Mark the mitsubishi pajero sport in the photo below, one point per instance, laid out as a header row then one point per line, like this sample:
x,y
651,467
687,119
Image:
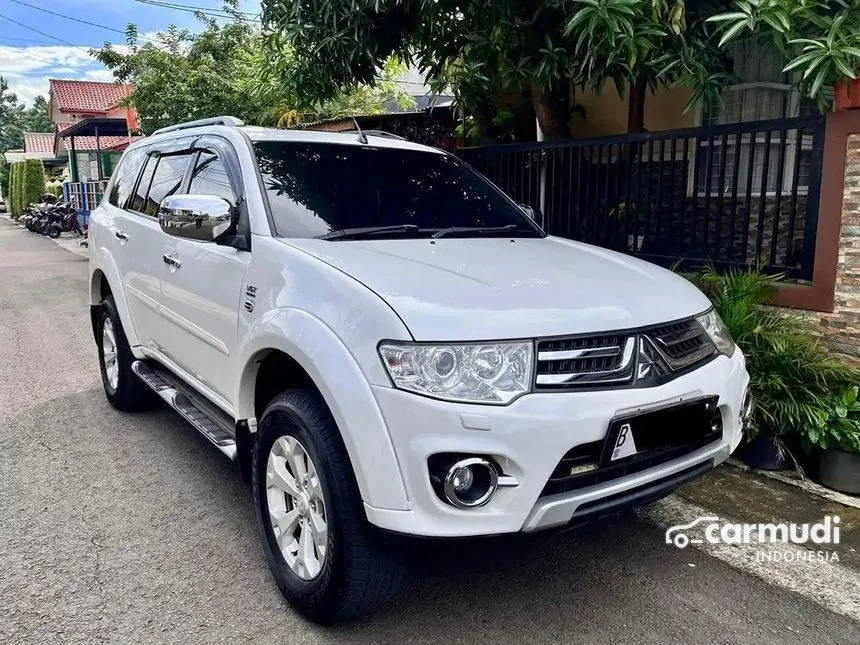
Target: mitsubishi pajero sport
x,y
387,344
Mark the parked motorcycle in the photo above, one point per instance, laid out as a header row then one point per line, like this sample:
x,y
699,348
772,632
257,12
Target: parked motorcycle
x,y
50,218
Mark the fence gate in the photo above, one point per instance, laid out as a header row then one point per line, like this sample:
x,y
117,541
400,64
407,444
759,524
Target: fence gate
x,y
84,195
733,195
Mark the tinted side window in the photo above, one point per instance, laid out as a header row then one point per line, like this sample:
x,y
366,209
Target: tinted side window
x,y
210,178
126,175
138,201
166,181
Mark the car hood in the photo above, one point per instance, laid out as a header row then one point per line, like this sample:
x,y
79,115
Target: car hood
x,y
499,288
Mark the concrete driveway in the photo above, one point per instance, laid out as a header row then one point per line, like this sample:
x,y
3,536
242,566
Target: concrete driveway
x,y
132,528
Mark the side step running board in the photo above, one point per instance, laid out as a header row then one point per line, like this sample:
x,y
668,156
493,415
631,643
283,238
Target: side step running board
x,y
211,422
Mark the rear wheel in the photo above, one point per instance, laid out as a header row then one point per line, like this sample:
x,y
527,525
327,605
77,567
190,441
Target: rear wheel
x,y
310,515
123,388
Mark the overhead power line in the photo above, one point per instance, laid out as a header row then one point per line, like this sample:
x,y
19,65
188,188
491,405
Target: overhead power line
x,y
42,33
206,11
83,22
29,40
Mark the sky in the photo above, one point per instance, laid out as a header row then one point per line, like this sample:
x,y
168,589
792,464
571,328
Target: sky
x,y
29,58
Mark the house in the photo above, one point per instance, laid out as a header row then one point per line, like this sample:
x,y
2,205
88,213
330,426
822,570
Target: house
x,y
92,125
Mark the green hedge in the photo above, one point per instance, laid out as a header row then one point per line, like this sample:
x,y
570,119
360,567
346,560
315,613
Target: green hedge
x,y
15,189
33,182
27,185
56,191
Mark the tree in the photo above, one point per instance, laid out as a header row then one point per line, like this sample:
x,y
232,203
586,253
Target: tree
x,y
35,118
11,137
16,119
820,39
480,47
222,70
641,45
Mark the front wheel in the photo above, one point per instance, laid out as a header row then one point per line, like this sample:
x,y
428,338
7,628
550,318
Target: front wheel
x,y
123,388
310,515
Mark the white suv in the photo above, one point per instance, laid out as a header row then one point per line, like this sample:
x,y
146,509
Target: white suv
x,y
387,344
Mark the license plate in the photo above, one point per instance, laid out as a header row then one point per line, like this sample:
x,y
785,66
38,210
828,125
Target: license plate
x,y
646,433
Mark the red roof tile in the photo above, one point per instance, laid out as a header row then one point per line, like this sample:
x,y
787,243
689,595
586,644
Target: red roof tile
x,y
88,96
39,142
89,143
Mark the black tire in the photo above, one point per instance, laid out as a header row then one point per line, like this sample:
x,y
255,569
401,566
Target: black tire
x,y
53,232
358,573
130,393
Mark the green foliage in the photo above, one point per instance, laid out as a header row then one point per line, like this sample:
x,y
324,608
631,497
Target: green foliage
x,y
820,38
32,182
658,42
503,122
841,428
53,189
478,48
223,69
15,201
5,176
15,119
793,377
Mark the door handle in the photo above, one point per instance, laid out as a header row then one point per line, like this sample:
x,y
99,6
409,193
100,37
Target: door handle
x,y
122,235
171,261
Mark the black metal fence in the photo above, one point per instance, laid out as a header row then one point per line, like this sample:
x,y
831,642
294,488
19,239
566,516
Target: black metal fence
x,y
730,195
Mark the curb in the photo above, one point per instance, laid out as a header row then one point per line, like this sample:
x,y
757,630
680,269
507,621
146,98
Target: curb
x,y
803,484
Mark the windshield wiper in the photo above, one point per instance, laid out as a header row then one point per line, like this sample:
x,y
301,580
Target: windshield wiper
x,y
368,231
475,229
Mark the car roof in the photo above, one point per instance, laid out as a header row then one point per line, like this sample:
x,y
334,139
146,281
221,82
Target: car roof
x,y
342,138
255,133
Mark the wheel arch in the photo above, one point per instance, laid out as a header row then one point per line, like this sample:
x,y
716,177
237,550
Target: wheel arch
x,y
275,362
104,281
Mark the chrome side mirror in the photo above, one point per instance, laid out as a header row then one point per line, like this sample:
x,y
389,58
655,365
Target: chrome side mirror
x,y
533,214
204,218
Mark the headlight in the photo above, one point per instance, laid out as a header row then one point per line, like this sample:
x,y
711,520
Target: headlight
x,y
483,373
718,332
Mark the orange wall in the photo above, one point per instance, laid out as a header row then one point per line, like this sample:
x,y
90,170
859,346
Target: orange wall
x,y
606,113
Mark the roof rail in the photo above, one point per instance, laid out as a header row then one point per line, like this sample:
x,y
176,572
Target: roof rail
x,y
199,123
380,133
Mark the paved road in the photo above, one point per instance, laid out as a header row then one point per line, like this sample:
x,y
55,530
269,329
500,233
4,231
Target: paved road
x,y
134,529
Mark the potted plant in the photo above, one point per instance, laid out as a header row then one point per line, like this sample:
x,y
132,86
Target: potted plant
x,y
820,39
837,438
792,376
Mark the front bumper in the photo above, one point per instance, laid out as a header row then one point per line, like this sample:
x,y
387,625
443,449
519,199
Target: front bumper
x,y
528,438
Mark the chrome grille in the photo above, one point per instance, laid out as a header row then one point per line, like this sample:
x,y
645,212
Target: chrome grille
x,y
641,357
587,359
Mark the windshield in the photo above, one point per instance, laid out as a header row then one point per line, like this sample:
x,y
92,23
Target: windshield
x,y
350,191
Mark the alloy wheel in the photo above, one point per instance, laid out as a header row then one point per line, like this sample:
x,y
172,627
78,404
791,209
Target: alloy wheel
x,y
109,353
296,507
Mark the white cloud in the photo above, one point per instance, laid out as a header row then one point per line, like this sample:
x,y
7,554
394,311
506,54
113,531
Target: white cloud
x,y
27,69
101,75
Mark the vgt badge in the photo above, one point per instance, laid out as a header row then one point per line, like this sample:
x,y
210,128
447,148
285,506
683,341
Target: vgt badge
x,y
625,446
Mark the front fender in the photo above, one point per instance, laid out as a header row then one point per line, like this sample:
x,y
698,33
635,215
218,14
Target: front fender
x,y
102,262
334,371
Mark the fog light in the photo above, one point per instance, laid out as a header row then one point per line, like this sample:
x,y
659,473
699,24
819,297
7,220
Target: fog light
x,y
462,479
470,483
